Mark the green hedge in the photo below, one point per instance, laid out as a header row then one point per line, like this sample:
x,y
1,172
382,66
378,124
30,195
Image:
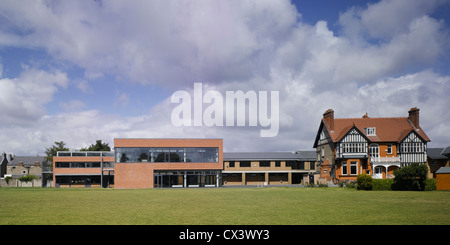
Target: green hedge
x,y
386,184
382,184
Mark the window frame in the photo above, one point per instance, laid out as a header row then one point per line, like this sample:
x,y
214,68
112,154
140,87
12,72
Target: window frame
x,y
354,164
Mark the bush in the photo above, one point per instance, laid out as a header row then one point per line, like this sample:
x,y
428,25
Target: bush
x,y
430,184
382,184
27,178
350,185
364,182
7,179
410,178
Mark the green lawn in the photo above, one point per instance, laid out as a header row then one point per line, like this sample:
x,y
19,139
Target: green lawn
x,y
222,206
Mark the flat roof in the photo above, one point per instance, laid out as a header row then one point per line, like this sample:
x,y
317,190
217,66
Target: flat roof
x,y
246,156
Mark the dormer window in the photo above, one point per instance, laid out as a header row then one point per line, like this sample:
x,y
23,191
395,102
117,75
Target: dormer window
x,y
370,131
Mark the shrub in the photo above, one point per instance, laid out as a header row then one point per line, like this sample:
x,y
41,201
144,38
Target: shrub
x,y
350,185
410,178
430,184
27,178
382,184
7,179
364,182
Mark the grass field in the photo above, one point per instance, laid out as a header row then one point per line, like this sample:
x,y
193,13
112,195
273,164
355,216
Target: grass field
x,y
222,206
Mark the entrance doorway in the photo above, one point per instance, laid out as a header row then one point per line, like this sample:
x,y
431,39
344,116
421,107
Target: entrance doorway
x,y
378,173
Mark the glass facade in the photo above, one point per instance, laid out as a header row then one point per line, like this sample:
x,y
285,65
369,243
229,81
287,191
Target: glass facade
x,y
83,164
84,181
165,154
198,178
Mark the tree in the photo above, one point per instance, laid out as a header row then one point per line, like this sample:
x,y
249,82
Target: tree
x,y
411,178
98,146
51,152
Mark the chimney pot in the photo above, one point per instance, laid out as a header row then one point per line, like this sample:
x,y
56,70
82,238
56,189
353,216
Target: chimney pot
x,y
413,116
328,116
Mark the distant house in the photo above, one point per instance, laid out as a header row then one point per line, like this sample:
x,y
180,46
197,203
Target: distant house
x,y
18,166
346,147
436,160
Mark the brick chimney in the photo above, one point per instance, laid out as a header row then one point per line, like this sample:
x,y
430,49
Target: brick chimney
x,y
328,117
413,116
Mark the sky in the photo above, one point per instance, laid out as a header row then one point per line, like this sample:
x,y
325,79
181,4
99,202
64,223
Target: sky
x,y
80,71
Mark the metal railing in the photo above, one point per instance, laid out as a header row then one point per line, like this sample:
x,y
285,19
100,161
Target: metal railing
x,y
84,153
384,159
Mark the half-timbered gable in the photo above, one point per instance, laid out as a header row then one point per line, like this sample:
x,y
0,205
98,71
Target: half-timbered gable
x,y
352,144
412,149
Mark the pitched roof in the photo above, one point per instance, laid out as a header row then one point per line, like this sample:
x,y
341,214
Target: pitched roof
x,y
388,129
26,160
446,151
443,170
435,153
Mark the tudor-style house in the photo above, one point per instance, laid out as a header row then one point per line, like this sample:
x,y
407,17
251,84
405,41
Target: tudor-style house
x,y
347,147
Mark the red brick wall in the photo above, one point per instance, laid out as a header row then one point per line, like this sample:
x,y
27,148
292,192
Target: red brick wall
x,y
140,175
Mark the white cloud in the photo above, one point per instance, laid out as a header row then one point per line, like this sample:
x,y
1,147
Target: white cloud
x,y
383,58
386,19
23,99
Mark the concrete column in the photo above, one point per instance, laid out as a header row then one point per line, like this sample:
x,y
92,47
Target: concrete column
x,y
266,178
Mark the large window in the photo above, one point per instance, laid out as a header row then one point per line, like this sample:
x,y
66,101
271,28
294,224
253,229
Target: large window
x,y
352,148
166,154
353,168
412,147
174,178
82,164
84,181
264,163
245,164
374,150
